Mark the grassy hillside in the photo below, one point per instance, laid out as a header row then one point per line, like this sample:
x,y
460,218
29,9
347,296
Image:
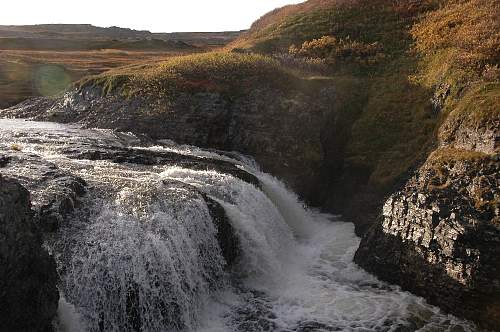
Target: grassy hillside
x,y
383,21
225,73
459,46
399,55
367,41
287,11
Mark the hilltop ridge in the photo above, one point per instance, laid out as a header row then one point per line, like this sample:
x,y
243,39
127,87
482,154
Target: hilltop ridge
x,y
91,32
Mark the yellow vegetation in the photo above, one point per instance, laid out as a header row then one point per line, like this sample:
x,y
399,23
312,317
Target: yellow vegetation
x,y
333,49
465,34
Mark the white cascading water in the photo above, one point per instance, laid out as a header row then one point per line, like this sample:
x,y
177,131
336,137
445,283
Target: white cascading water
x,y
304,270
142,254
145,262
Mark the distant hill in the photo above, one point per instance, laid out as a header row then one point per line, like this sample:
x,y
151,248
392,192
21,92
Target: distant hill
x,y
78,32
202,38
68,44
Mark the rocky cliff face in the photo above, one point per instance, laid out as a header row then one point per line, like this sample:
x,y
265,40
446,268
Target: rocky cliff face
x,y
28,293
439,236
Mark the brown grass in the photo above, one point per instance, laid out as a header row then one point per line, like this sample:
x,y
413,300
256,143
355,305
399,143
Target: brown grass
x,y
279,14
24,74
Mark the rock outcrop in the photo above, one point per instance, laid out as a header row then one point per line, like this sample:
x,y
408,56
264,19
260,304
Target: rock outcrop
x,y
439,236
28,293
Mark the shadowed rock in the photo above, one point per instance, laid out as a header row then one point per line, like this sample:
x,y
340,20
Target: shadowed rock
x,y
28,293
440,238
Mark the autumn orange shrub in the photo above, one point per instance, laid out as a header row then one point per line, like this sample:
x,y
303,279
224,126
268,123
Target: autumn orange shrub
x,y
331,48
471,28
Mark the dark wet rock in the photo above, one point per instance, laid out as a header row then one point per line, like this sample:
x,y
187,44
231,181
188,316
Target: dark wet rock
x,y
29,107
62,197
55,193
4,160
28,293
226,236
255,315
440,237
149,157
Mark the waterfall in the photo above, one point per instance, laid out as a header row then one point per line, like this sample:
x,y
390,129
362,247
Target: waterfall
x,y
143,250
265,238
145,262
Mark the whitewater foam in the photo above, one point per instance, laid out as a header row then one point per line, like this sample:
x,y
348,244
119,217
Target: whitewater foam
x,y
142,252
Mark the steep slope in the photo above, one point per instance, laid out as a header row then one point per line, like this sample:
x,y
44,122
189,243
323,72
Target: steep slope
x,y
442,229
279,14
384,123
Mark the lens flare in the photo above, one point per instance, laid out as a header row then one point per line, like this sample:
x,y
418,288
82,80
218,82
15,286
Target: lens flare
x,y
49,80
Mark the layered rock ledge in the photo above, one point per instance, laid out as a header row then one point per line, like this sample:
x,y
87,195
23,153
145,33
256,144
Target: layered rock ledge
x,y
439,237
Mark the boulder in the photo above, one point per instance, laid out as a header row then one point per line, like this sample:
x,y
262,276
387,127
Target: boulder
x,y
28,293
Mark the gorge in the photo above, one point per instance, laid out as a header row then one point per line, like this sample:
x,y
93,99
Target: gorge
x,y
333,168
152,236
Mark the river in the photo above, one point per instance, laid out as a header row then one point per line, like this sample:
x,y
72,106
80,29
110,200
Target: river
x,y
141,251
